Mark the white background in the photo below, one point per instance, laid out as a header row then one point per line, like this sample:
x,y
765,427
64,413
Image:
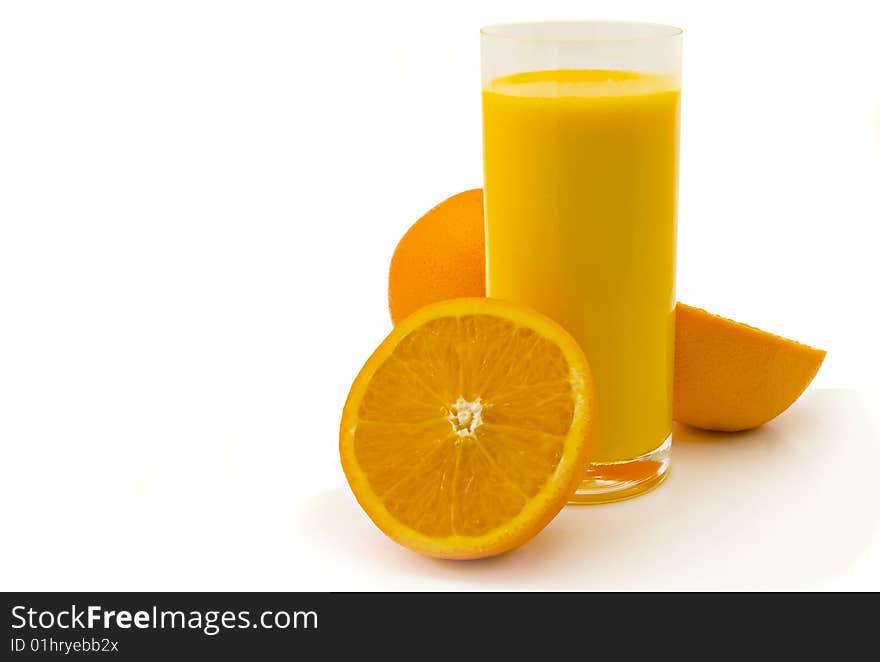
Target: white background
x,y
198,204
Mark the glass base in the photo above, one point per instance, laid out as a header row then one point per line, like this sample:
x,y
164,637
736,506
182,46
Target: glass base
x,y
605,482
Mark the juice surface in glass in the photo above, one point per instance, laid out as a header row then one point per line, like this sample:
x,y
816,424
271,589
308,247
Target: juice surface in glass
x,y
580,194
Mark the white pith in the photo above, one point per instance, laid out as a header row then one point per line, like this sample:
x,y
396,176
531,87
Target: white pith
x,y
465,416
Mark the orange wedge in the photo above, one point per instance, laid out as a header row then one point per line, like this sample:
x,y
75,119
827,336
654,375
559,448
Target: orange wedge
x,y
469,428
730,376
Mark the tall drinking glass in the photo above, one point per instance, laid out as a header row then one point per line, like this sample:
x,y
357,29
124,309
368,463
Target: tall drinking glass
x,y
580,137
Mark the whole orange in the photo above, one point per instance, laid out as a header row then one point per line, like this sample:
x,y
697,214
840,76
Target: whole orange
x,y
442,256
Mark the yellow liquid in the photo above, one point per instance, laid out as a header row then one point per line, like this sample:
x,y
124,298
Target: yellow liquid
x,y
581,171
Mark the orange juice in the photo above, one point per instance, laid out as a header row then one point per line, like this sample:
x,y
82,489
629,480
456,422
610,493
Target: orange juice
x,y
581,174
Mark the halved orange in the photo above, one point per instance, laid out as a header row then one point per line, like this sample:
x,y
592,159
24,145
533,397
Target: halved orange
x,y
730,376
469,427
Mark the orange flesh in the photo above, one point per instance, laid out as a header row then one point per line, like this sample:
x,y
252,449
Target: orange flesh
x,y
470,429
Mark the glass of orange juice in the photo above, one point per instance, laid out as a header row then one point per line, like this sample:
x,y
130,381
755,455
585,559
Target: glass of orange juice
x,y
580,138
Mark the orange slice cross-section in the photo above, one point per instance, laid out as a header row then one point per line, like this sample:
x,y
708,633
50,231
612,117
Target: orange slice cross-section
x,y
469,428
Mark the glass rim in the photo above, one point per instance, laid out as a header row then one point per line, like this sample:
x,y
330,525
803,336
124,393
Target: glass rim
x,y
651,31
